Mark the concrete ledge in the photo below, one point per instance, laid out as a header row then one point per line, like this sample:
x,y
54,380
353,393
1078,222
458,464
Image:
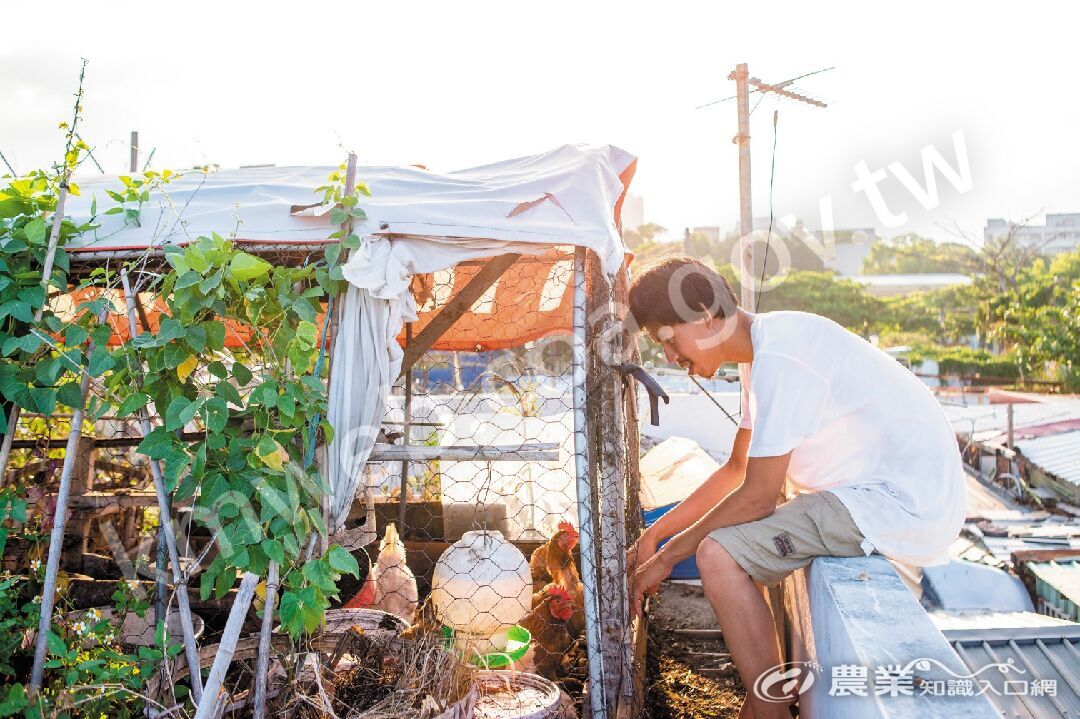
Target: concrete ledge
x,y
857,612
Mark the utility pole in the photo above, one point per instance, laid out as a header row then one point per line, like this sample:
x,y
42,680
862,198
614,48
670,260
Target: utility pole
x,y
746,214
743,84
134,162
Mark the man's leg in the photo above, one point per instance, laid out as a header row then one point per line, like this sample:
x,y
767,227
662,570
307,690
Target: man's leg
x,y
746,622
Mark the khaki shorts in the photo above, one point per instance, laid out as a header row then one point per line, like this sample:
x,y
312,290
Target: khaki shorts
x,y
811,525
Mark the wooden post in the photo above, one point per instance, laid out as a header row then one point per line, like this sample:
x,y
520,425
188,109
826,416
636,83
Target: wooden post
x,y
56,534
212,697
262,667
583,467
407,430
746,216
187,626
614,600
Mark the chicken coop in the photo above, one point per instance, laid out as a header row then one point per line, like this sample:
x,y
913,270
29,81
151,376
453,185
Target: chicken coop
x,y
480,438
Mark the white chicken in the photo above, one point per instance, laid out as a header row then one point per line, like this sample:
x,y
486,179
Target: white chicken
x,y
395,585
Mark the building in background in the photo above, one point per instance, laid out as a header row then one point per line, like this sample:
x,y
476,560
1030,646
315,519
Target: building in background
x,y
850,248
633,211
845,256
1061,233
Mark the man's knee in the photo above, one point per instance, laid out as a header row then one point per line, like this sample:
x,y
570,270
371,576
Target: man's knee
x,y
714,560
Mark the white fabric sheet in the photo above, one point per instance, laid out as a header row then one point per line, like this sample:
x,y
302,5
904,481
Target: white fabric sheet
x,y
574,189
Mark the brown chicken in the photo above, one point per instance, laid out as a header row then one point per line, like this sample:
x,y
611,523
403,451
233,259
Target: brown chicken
x,y
547,624
555,557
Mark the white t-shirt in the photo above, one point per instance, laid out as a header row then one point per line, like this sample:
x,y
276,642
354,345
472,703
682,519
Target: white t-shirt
x,y
860,425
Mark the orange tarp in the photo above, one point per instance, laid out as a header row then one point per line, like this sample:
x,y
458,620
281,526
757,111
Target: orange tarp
x,y
531,299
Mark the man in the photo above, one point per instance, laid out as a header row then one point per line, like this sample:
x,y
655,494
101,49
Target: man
x,y
858,435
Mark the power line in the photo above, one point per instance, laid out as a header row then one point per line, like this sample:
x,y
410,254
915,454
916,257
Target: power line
x,y
743,83
770,88
8,165
772,214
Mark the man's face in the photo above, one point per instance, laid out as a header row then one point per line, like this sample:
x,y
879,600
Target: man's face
x,y
691,345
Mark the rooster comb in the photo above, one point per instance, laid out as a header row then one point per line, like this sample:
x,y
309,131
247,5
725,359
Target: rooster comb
x,y
555,591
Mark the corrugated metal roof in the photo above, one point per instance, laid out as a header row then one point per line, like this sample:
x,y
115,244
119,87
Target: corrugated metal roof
x,y
1011,662
974,619
989,420
1058,454
1064,576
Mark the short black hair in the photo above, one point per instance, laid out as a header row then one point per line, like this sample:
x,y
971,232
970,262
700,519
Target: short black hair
x,y
675,290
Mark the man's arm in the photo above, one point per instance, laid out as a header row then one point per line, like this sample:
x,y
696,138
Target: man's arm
x,y
719,485
754,499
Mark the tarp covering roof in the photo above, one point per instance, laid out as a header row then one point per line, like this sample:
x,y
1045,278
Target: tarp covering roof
x,y
569,195
424,222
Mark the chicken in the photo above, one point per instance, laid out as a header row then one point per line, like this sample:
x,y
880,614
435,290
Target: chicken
x,y
364,598
547,624
395,585
575,592
550,559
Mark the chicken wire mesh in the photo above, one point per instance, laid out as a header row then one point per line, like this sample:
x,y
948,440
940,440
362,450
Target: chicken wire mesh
x,y
493,543
497,539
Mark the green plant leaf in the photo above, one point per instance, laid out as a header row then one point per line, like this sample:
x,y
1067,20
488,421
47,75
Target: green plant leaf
x,y
180,411
175,354
241,373
100,362
56,645
196,338
245,267
188,279
215,335
170,329
35,231
132,403
17,309
342,561
274,550
227,392
217,414
75,335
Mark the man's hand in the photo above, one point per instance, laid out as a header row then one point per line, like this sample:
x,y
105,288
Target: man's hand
x,y
646,580
640,552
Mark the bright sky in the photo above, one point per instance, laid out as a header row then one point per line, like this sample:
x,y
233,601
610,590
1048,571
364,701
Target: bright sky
x,y
452,85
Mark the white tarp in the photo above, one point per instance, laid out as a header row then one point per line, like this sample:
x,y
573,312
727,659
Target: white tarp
x,y
417,222
564,196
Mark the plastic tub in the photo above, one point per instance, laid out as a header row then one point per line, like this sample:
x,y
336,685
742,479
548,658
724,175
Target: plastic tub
x,y
687,568
515,695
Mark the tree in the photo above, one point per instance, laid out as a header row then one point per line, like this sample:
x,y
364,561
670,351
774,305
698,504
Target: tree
x,y
642,235
911,254
842,301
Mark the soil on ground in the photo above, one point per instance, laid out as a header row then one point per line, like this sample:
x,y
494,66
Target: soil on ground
x,y
687,677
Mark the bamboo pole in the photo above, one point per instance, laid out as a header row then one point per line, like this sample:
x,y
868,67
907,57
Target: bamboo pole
x,y
187,627
263,659
346,230
212,694
56,535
